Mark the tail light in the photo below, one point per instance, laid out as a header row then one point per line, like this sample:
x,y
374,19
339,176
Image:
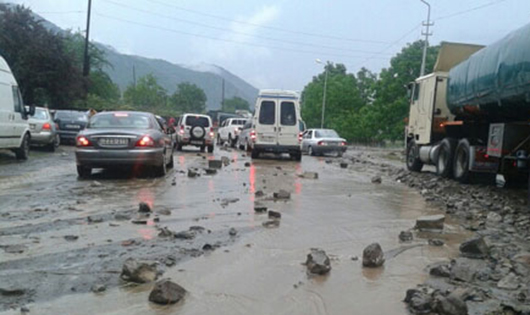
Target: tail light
x,y
322,143
145,141
82,141
300,136
211,132
181,129
343,143
253,135
46,126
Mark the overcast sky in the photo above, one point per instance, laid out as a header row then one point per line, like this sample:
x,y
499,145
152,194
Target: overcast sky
x,y
273,43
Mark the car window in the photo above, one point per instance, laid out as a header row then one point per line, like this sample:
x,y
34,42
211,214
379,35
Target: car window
x,y
288,114
197,121
17,100
248,125
301,126
309,134
40,114
120,120
267,113
326,134
80,116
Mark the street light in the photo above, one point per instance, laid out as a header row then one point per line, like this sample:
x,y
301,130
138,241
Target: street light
x,y
324,94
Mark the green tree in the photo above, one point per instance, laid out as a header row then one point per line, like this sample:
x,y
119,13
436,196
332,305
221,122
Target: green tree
x,y
235,103
188,98
146,95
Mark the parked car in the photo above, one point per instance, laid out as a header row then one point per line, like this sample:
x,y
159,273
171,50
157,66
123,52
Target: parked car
x,y
321,141
246,136
229,131
42,129
195,130
69,123
14,127
131,139
276,124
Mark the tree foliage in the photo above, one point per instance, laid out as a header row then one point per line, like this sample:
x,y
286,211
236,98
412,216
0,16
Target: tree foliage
x,y
146,94
188,98
366,107
235,103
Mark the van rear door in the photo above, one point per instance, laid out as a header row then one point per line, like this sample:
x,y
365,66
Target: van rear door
x,y
267,121
288,128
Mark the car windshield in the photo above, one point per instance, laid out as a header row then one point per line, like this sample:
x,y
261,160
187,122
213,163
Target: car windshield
x,y
40,114
197,121
326,133
120,120
71,116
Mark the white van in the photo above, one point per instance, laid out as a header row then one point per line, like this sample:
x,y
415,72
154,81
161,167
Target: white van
x,y
276,124
14,126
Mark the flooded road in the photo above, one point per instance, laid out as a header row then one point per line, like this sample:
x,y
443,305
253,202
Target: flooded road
x,y
259,271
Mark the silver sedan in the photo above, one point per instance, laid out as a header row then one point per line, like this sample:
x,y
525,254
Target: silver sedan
x,y
43,130
321,141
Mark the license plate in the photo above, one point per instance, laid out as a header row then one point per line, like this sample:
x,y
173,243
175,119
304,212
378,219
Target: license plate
x,y
266,138
113,142
73,126
196,142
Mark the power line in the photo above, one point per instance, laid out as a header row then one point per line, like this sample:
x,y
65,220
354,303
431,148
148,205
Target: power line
x,y
226,40
471,9
267,27
236,32
60,12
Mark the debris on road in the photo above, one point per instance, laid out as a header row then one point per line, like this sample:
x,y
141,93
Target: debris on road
x,y
431,222
166,292
192,173
226,201
282,194
373,256
260,209
343,165
436,242
259,193
163,211
274,215
248,164
377,180
98,288
122,216
232,232
185,235
271,224
210,171
309,175
165,232
474,248
71,238
215,164
405,236
14,249
318,262
144,208
139,271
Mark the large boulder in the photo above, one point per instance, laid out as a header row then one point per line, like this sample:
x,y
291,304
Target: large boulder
x,y
166,292
419,302
453,304
431,222
139,271
373,256
474,248
318,262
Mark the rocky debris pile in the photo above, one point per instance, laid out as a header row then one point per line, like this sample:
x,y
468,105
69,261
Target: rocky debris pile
x,y
140,271
428,301
318,262
373,256
166,292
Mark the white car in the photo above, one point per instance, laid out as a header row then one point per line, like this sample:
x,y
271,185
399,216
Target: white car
x,y
229,131
195,130
14,127
277,124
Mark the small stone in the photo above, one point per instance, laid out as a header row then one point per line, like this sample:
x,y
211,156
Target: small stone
x,y
309,175
406,236
436,242
328,161
211,171
318,262
474,248
165,232
140,220
98,288
354,258
271,224
15,249
92,219
453,304
144,207
24,309
343,165
232,232
259,193
432,222
164,212
493,218
274,215
282,194
192,173
440,271
185,235
122,216
260,209
139,271
166,292
207,247
215,164
373,256
247,164
71,238
377,180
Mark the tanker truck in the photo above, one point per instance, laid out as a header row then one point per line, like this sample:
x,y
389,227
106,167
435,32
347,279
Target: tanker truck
x,y
470,118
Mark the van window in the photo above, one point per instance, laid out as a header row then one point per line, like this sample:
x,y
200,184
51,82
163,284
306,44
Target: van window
x,y
17,100
416,92
288,114
267,113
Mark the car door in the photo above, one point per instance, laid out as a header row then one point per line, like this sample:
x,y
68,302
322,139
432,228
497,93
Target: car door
x,y
267,131
6,113
288,128
20,121
305,139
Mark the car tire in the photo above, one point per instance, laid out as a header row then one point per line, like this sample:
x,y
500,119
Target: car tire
x,y
445,157
310,151
210,149
414,164
22,153
171,163
231,141
83,172
51,147
57,141
296,156
161,171
254,154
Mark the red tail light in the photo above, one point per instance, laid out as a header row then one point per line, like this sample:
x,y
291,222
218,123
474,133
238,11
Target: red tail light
x,y
46,126
253,135
181,129
300,136
320,143
211,132
82,141
343,143
145,141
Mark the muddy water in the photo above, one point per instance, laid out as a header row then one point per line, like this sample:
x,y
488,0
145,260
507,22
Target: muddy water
x,y
261,272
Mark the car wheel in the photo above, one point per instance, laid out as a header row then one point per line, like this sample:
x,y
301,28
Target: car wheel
x,y
171,163
310,151
51,147
161,170
210,149
255,154
22,153
57,141
83,171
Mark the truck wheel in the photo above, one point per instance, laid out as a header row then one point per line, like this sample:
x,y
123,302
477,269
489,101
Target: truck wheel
x,y
444,160
22,153
461,162
83,172
255,154
414,164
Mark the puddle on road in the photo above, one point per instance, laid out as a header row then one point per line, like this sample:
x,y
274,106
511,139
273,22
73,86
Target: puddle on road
x,y
341,212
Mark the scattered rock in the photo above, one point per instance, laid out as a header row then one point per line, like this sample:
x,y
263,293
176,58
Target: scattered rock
x,y
185,235
12,291
207,247
474,248
274,215
95,184
192,173
71,238
24,310
436,242
139,271
259,193
440,271
92,219
282,194
144,207
377,180
509,282
197,228
232,232
461,270
453,304
260,209
419,302
309,175
328,161
164,212
431,222
165,232
225,160
318,262
15,249
271,224
493,218
354,258
225,202
373,256
343,165
140,220
215,164
166,292
98,288
247,164
211,171
122,216
406,236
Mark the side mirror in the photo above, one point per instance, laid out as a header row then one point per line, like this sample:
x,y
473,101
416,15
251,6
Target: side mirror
x,y
29,110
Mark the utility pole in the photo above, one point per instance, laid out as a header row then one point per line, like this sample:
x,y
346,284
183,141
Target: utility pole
x,y
134,76
325,89
427,24
86,63
223,96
